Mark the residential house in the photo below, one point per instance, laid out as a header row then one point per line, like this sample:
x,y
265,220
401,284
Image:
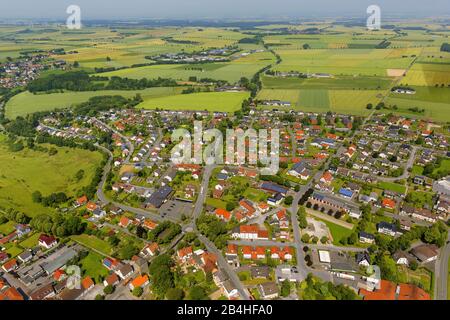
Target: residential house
x,y
47,241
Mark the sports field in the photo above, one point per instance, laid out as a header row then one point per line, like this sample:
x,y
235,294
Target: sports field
x,y
26,171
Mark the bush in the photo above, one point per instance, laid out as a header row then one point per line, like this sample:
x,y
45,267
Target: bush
x,y
175,294
137,292
108,289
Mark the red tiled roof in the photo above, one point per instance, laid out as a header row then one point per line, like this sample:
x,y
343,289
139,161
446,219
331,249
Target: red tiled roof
x,y
386,292
139,281
410,292
87,282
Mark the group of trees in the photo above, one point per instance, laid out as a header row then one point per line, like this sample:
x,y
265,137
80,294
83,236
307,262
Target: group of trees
x,y
13,215
82,81
170,230
162,276
445,47
103,103
53,200
434,170
214,229
58,225
315,289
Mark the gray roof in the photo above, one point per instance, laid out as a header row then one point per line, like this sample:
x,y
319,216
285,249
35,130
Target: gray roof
x,y
58,259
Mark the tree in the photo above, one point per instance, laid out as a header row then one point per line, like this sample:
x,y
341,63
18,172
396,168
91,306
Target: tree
x,y
305,238
285,288
162,275
413,265
99,297
302,222
108,289
288,200
127,251
369,106
36,196
197,293
324,239
175,294
137,292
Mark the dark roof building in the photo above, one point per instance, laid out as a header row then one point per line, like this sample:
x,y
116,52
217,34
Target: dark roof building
x,y
158,197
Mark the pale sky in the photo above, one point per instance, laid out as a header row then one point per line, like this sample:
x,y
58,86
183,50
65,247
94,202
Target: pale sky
x,y
218,9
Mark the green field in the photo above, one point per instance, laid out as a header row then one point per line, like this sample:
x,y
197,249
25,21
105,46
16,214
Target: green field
x,y
94,243
26,171
323,100
26,102
31,241
7,227
92,265
337,232
211,101
392,187
228,71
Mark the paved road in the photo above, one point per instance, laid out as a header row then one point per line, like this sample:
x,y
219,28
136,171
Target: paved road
x,y
102,197
198,208
298,244
128,142
406,173
223,264
441,272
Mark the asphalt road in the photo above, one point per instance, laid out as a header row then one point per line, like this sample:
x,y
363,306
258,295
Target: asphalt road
x,y
226,267
441,272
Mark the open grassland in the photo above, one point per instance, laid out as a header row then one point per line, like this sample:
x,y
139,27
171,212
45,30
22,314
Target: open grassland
x,y
23,172
26,102
340,82
322,100
211,101
229,71
428,74
369,62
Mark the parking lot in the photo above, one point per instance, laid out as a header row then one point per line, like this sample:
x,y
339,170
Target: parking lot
x,y
175,209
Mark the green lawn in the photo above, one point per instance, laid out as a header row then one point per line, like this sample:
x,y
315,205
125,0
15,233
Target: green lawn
x,y
93,243
417,170
26,171
211,101
337,232
392,186
216,203
7,227
421,277
31,241
14,251
92,265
